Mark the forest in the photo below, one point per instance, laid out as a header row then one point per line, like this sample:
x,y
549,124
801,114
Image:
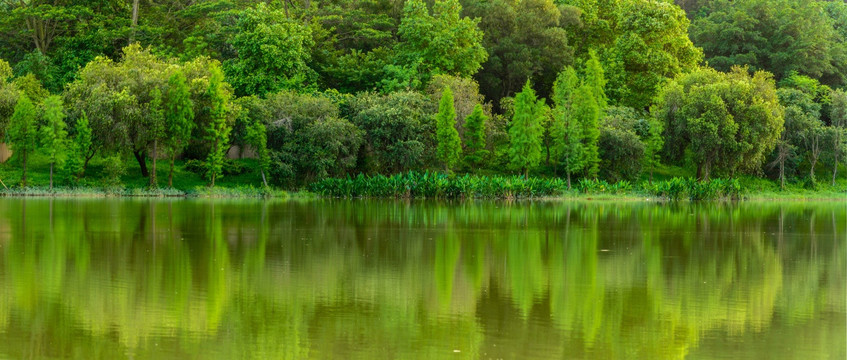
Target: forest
x,y
301,91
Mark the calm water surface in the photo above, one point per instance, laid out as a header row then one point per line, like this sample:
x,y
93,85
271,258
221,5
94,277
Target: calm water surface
x,y
194,279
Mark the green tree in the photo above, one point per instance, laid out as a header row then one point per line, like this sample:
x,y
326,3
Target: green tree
x,y
586,113
641,43
566,130
525,131
54,135
272,52
475,124
8,96
179,119
156,126
79,148
256,137
449,148
397,129
217,133
838,117
525,40
445,41
23,133
779,36
596,80
653,145
724,122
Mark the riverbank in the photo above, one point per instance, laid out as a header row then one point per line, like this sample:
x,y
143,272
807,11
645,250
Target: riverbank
x,y
669,184
199,192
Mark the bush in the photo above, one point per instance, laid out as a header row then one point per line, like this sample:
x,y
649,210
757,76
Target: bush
x,y
691,189
436,185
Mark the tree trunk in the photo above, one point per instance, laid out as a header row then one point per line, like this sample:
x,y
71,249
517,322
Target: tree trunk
x,y
812,171
153,183
142,162
171,173
51,176
569,180
23,178
526,173
213,179
264,180
835,153
134,21
88,157
782,173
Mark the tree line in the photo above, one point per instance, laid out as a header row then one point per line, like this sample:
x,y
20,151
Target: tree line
x,y
570,88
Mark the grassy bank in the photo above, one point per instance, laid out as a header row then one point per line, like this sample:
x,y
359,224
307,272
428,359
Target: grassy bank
x,y
442,186
96,183
670,183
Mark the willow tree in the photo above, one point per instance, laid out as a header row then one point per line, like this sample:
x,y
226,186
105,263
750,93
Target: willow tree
x,y
525,131
217,133
449,147
23,133
54,134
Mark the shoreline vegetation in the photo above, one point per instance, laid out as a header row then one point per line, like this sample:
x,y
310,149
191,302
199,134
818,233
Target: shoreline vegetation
x,y
425,185
439,99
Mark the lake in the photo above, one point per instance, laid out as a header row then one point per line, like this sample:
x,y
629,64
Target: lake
x,y
362,279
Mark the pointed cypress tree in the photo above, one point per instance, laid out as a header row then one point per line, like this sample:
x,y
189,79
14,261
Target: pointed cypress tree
x,y
22,132
218,131
54,134
586,112
475,137
567,132
449,144
179,119
525,131
595,78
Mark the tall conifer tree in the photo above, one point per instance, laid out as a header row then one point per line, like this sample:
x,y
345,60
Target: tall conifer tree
x,y
525,131
449,144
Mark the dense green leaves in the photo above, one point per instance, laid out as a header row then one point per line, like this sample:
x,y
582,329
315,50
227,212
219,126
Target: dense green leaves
x,y
721,122
779,36
217,133
54,134
449,148
315,89
272,53
525,131
475,125
442,43
23,132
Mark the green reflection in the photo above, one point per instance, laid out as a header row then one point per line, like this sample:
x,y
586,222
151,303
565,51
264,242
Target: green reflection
x,y
154,279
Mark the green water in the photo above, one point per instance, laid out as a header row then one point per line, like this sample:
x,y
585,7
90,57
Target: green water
x,y
193,279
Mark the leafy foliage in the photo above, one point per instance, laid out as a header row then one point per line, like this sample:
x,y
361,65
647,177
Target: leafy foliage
x,y
725,122
525,131
449,148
